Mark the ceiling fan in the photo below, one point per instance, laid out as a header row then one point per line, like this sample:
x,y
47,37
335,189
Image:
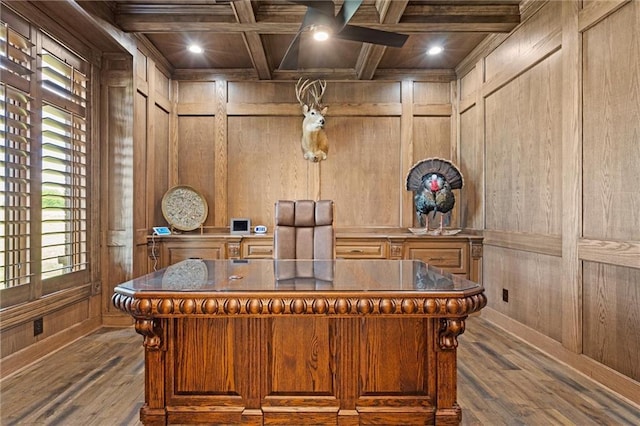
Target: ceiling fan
x,y
320,15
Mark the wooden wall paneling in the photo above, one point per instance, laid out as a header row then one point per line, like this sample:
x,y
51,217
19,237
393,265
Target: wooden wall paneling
x,y
264,92
172,161
523,151
454,128
611,221
361,171
572,176
593,11
432,138
196,158
471,142
534,284
160,149
469,83
265,164
527,44
95,187
144,213
431,93
471,166
158,144
407,209
117,212
195,147
365,92
221,175
19,348
161,84
140,65
611,311
619,253
611,64
536,243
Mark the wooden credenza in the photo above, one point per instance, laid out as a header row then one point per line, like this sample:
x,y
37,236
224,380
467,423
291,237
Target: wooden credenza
x,y
343,343
459,254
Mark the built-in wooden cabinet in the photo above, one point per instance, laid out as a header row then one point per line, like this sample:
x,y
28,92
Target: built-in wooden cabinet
x,y
362,248
458,254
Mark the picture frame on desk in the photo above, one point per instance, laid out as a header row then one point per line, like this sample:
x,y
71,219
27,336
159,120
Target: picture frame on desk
x,y
240,226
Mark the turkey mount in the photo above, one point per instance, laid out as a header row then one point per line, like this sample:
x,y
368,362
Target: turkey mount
x,y
321,15
432,181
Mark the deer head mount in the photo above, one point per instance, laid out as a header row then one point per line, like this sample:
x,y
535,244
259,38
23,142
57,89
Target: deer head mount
x,y
315,144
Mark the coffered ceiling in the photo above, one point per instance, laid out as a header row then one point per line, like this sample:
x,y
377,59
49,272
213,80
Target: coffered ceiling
x,y
252,37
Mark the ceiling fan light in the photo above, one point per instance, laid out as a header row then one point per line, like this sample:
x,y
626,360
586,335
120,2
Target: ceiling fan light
x,y
321,35
320,32
435,50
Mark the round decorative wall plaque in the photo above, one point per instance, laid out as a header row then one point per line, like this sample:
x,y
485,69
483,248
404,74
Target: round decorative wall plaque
x,y
184,208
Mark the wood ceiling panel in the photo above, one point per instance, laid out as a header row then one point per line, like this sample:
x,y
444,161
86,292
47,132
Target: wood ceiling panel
x,y
413,53
252,36
220,50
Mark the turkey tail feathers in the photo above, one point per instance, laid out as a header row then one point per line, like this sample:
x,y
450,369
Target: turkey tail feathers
x,y
434,165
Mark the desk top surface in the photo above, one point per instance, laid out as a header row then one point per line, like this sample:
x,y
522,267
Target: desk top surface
x,y
266,275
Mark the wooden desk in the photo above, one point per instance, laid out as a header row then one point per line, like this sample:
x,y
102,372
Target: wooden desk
x,y
342,342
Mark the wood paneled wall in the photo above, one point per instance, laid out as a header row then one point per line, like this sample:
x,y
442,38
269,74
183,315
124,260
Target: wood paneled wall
x,y
549,123
238,143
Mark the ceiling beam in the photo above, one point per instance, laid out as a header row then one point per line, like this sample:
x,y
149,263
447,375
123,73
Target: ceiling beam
x,y
371,54
187,23
244,14
285,18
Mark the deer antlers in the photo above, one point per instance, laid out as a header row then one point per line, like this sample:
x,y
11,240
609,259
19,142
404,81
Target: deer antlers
x,y
310,92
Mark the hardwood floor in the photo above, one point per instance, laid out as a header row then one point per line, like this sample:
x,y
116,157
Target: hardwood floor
x,y
99,380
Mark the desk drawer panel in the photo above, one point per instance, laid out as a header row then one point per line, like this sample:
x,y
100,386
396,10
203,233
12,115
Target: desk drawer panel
x,y
452,258
361,250
257,249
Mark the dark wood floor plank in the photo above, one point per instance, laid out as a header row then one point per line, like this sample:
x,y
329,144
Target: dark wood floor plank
x,y
99,381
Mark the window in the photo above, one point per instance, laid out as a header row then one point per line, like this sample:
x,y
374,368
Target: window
x,y
44,156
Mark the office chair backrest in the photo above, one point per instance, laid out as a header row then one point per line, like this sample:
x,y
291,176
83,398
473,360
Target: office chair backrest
x,y
304,230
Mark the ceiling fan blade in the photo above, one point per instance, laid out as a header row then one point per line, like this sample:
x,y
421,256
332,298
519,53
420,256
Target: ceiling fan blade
x,y
370,35
290,59
348,9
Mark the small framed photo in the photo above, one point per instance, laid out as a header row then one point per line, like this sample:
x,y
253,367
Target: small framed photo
x,y
240,226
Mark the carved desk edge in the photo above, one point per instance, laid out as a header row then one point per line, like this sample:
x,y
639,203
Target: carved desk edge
x,y
451,310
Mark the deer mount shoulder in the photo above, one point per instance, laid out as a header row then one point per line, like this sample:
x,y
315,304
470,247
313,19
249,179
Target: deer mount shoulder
x,y
314,143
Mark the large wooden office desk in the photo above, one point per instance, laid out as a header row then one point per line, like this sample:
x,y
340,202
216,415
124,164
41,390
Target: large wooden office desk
x,y
341,342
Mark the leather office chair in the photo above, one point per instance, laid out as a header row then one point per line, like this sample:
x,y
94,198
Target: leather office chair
x,y
304,231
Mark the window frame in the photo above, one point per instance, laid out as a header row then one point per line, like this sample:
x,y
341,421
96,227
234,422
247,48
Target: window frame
x,y
41,40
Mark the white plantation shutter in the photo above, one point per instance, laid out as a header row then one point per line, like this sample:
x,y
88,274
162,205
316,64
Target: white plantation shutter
x,y
15,186
44,154
15,160
64,168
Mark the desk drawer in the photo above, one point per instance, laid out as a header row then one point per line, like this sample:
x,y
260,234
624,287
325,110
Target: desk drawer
x,y
257,249
451,257
361,250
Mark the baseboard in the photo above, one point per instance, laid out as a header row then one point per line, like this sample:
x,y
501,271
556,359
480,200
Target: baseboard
x,y
15,362
626,387
117,320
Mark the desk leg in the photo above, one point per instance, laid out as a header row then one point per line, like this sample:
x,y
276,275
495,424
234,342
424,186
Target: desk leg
x,y
153,412
448,411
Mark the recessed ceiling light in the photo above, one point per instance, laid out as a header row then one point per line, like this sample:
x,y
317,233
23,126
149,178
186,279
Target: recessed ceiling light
x,y
434,50
194,48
